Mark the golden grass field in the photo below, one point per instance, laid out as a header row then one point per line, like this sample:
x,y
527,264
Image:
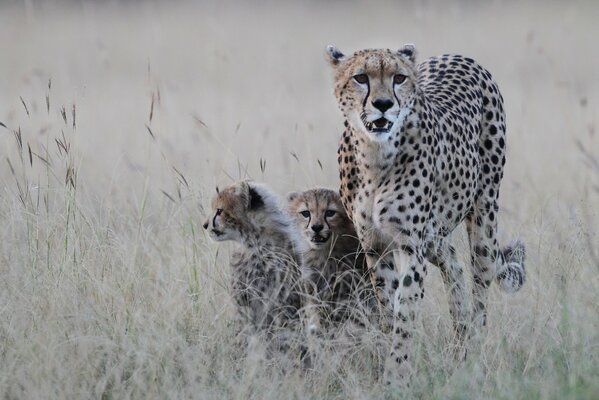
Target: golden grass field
x,y
119,119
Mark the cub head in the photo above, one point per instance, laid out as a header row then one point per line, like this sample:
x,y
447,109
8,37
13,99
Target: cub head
x,y
229,214
319,215
375,88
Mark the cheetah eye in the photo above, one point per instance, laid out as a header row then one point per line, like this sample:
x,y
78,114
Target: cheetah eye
x,y
399,79
219,211
361,78
329,213
305,214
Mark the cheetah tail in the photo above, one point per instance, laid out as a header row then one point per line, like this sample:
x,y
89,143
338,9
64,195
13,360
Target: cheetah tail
x,y
513,274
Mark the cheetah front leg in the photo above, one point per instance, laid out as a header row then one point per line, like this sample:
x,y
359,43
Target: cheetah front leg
x,y
312,302
408,290
382,275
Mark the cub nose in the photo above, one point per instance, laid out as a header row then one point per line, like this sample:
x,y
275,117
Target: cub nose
x,y
382,104
317,228
205,225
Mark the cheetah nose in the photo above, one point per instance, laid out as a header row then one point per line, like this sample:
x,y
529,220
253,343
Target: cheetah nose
x,y
317,228
382,104
205,225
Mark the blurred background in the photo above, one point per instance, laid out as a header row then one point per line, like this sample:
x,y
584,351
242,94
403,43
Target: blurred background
x,y
233,83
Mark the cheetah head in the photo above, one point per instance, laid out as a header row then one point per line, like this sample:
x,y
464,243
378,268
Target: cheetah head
x,y
319,215
375,88
230,208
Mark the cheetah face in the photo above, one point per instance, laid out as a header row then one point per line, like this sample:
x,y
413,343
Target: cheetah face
x,y
375,89
221,225
319,215
228,219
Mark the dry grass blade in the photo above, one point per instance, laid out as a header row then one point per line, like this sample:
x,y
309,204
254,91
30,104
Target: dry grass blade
x,y
63,145
182,178
47,159
2,125
262,165
48,95
19,139
319,164
151,107
168,196
71,176
591,160
63,113
150,132
30,155
22,193
24,105
74,119
42,159
294,156
12,170
199,121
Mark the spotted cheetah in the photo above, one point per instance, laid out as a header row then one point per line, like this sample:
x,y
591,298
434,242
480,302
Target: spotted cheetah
x,y
265,267
423,150
332,264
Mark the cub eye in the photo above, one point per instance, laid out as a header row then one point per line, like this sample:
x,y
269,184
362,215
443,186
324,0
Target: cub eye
x,y
361,78
329,213
219,211
399,79
305,214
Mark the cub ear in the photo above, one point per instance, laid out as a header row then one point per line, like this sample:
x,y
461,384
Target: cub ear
x,y
408,51
242,191
255,200
292,196
335,56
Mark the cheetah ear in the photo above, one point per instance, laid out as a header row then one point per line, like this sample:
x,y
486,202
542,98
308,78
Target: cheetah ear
x,y
255,201
242,191
408,51
292,196
335,55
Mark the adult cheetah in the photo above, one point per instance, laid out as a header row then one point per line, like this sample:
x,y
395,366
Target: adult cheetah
x,y
423,150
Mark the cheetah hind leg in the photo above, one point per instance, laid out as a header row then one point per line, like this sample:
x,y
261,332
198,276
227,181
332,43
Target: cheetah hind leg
x,y
489,262
444,257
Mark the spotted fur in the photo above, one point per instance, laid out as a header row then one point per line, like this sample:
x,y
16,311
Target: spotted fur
x,y
423,150
332,263
265,266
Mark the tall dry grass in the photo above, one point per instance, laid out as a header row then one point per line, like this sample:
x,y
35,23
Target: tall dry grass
x,y
118,120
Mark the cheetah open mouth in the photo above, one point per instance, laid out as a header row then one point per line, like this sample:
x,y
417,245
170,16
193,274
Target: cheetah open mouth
x,y
318,239
381,125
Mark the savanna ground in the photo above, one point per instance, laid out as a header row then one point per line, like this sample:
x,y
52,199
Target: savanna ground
x,y
118,121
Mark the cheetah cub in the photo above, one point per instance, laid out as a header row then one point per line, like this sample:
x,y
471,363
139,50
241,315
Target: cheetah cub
x,y
332,264
265,267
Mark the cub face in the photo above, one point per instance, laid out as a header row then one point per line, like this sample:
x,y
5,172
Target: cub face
x,y
319,215
375,88
228,217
